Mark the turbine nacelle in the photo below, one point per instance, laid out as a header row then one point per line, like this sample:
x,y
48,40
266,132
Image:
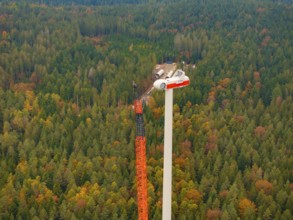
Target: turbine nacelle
x,y
178,80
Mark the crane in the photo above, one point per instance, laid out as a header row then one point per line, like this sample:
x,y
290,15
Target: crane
x,y
140,153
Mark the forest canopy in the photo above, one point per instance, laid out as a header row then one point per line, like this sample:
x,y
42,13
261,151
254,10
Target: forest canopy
x,y
109,2
67,125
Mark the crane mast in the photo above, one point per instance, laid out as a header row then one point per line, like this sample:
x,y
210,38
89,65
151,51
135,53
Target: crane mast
x,y
140,152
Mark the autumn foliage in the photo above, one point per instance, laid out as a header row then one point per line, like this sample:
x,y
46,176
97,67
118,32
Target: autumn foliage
x,y
194,195
23,87
211,142
264,185
259,131
245,205
213,214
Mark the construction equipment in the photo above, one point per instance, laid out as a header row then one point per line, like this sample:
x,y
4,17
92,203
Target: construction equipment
x,y
140,152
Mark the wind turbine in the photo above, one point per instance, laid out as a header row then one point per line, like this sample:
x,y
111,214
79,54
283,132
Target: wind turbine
x,y
178,80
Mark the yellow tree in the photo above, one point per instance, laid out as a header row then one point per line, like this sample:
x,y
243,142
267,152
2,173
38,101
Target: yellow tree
x,y
246,206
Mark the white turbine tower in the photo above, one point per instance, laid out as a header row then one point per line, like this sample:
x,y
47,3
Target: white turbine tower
x,y
178,80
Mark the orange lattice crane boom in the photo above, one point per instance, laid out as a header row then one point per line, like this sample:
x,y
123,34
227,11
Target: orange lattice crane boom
x,y
140,152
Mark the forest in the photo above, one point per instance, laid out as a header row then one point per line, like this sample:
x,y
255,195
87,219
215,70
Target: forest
x,y
109,2
67,125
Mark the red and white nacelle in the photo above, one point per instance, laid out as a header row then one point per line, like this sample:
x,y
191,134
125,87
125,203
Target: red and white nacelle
x,y
178,80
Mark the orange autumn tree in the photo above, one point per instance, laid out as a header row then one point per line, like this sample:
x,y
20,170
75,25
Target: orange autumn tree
x,y
213,214
246,206
264,185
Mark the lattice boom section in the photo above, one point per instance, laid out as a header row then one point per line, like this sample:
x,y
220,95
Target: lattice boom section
x,y
140,131
141,175
138,107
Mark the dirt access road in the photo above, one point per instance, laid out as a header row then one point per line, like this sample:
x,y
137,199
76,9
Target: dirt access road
x,y
167,67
